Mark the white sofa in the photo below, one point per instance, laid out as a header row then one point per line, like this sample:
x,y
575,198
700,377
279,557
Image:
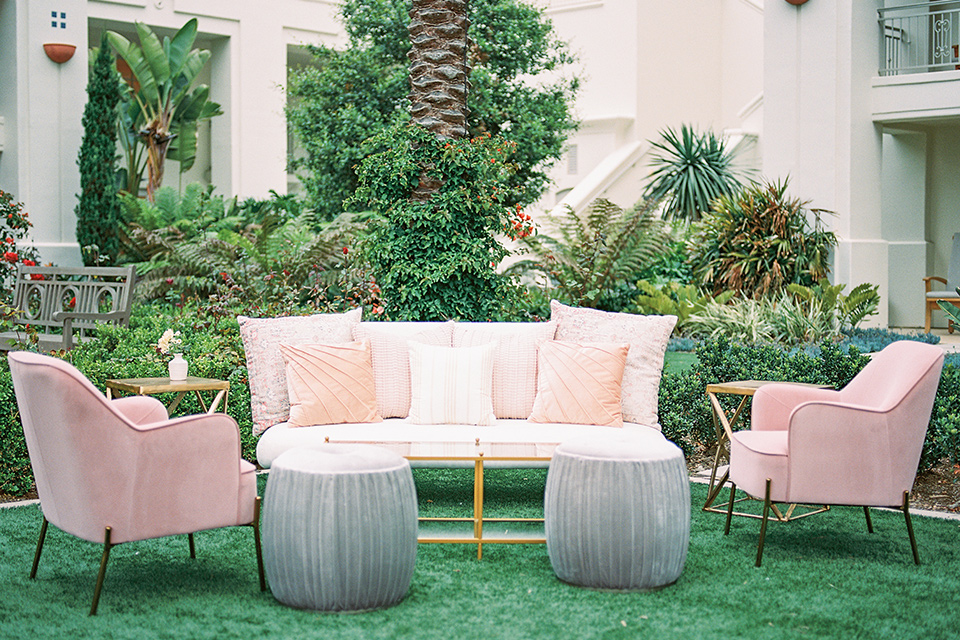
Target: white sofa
x,y
516,350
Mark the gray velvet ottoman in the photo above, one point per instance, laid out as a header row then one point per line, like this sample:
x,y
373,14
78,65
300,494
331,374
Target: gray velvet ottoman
x,y
617,511
340,528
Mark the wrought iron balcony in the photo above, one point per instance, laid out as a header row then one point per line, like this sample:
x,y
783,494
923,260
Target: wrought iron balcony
x,y
920,38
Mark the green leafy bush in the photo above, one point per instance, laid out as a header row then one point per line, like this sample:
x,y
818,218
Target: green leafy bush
x,y
759,240
14,243
435,259
589,261
675,299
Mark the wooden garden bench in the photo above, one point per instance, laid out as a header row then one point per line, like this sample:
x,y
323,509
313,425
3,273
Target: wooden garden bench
x,y
65,304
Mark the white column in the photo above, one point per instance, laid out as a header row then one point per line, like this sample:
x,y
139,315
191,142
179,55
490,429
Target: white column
x,y
819,59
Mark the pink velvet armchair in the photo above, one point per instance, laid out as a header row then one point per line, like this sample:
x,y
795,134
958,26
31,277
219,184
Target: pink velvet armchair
x,y
121,470
856,446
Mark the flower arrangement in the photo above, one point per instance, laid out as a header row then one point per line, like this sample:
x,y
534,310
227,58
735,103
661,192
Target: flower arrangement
x,y
170,342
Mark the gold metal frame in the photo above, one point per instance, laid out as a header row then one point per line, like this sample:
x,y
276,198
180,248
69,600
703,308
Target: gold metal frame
x,y
768,505
478,518
108,545
153,386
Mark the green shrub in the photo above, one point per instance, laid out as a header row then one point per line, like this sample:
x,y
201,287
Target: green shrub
x,y
759,240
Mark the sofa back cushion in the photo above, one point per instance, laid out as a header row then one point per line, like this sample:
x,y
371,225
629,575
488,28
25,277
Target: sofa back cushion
x,y
647,337
330,383
514,360
269,399
390,354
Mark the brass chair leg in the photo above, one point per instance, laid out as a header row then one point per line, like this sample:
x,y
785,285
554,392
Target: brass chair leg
x,y
103,571
763,522
866,512
193,549
906,516
36,557
733,491
256,542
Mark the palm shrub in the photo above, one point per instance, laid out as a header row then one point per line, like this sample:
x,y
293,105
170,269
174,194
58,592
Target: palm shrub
x,y
98,212
758,241
587,261
690,171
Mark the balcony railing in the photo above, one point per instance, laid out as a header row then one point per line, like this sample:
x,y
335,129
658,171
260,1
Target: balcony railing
x,y
920,38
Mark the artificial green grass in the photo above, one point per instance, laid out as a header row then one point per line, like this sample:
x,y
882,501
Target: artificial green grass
x,y
823,577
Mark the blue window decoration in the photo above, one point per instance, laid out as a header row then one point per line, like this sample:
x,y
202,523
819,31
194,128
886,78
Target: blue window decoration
x,y
63,19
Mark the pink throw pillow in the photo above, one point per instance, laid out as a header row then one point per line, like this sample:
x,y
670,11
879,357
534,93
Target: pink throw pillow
x,y
580,383
330,383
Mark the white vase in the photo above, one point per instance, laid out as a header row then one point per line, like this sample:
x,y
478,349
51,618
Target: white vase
x,y
178,367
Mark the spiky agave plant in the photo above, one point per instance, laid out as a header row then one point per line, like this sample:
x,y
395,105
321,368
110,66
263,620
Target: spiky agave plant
x,y
586,258
690,171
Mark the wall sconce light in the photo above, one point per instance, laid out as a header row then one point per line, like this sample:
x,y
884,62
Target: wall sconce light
x,y
59,52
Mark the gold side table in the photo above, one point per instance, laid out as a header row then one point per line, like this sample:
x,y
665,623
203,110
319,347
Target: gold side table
x,y
153,386
724,424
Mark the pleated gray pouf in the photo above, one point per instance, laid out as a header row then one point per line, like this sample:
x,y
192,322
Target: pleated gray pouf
x,y
617,511
340,528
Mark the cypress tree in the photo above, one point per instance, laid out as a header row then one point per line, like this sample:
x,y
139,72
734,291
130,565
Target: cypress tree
x,y
98,212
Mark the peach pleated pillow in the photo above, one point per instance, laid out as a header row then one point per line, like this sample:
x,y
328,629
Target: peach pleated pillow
x,y
330,383
580,383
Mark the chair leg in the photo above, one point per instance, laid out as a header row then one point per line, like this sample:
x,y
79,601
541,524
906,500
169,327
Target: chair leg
x,y
193,549
866,512
36,556
906,516
256,542
763,522
103,570
733,491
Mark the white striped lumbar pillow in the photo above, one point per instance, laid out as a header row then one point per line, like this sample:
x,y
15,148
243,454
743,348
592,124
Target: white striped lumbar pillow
x,y
451,385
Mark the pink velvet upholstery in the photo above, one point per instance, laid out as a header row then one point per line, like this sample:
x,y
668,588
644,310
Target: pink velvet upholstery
x,y
121,470
857,446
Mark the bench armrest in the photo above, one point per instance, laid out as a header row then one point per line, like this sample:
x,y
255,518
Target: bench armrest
x,y
67,317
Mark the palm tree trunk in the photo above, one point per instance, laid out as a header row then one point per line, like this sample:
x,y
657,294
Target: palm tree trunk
x,y
438,73
158,141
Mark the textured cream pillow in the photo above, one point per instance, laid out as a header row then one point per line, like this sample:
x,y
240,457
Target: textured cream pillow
x,y
647,337
269,401
330,383
514,360
451,385
580,383
391,358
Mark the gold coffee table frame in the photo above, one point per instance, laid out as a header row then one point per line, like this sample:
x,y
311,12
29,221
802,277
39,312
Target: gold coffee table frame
x,y
466,452
723,426
153,386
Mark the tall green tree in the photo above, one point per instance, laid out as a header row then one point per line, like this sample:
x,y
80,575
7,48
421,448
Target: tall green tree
x,y
170,106
352,94
98,212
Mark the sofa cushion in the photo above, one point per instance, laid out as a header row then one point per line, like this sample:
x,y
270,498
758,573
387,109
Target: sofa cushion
x,y
269,400
580,383
390,354
514,360
443,442
329,384
450,385
647,336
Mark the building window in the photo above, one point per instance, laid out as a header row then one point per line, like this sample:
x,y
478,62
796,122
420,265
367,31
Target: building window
x,y
62,22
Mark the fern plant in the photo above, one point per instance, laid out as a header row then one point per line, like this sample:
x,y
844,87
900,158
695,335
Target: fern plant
x,y
586,259
681,300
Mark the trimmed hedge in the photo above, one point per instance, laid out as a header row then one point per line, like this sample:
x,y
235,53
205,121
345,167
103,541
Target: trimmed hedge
x,y
214,349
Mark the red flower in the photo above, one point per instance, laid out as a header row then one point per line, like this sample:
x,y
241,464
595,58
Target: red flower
x,y
10,256
73,302
9,240
29,263
345,250
169,280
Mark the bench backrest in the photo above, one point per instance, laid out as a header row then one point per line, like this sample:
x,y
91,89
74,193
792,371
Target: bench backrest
x,y
40,292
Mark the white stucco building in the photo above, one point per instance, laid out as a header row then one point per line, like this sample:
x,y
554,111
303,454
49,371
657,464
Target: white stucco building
x,y
858,101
